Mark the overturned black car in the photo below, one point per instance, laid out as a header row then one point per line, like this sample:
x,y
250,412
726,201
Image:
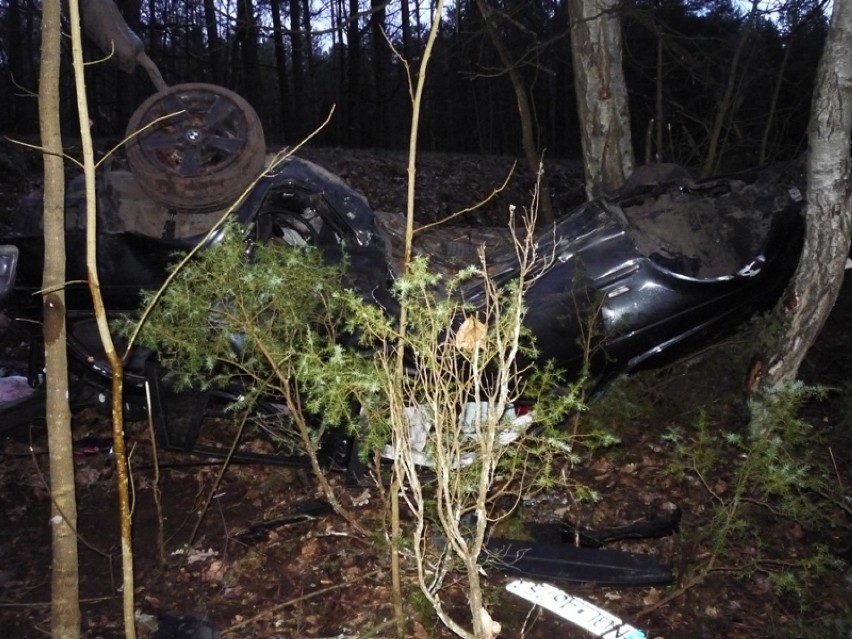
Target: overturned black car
x,y
664,267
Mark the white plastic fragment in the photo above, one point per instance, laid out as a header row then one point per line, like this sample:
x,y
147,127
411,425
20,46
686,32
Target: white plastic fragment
x,y
420,423
578,611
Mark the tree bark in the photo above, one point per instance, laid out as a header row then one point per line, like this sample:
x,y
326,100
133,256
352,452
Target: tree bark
x,y
283,111
405,19
726,104
596,49
300,90
214,43
354,133
65,602
115,362
20,113
658,98
381,57
338,21
525,113
125,85
816,283
247,33
310,99
773,103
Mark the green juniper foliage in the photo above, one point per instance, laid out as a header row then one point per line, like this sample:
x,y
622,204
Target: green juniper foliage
x,y
458,355
278,320
784,473
270,318
445,378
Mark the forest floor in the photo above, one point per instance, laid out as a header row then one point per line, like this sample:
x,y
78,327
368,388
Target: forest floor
x,y
255,567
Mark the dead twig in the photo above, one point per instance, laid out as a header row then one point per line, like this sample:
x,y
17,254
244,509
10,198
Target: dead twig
x,y
295,601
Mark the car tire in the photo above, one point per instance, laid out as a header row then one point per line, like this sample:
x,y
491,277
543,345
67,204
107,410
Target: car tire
x,y
195,147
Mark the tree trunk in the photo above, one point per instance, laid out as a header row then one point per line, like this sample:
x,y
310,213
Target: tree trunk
x,y
773,103
310,99
816,284
602,107
791,42
531,152
283,111
338,21
115,362
658,107
125,85
726,104
300,90
381,54
354,134
154,46
116,365
405,19
18,73
65,603
247,33
214,43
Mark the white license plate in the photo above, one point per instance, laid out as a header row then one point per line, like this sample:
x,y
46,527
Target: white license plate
x,y
579,611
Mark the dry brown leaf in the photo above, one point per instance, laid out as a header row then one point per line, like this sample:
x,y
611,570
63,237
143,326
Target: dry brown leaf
x,y
214,573
471,335
651,597
601,466
310,546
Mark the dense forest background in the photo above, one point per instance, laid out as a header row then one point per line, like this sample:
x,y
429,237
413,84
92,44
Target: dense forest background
x,y
744,70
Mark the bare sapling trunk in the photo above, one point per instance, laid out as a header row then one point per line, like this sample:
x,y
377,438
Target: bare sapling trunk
x,y
65,602
441,389
415,91
116,364
457,398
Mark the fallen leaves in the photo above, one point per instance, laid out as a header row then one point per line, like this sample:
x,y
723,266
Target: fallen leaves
x,y
471,335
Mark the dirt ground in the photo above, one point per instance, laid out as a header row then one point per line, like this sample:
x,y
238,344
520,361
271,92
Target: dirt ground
x,y
268,561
